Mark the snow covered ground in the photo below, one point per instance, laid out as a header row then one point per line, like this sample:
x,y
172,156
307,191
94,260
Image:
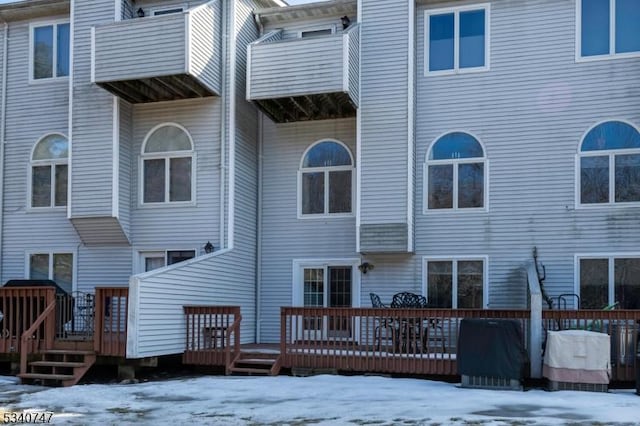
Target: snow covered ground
x,y
321,400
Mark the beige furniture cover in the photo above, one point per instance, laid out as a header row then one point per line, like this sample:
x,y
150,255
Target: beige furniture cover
x,y
577,356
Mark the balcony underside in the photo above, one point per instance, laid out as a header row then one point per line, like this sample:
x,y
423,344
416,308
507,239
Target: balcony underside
x,y
156,89
309,107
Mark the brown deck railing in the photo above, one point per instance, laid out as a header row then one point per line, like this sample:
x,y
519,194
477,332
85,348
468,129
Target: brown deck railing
x,y
42,329
20,307
110,337
213,335
622,325
410,341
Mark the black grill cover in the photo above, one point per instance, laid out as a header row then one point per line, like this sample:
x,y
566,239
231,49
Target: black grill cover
x,y
491,348
36,283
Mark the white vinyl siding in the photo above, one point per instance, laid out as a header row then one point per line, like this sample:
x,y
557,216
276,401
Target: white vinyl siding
x,y
530,112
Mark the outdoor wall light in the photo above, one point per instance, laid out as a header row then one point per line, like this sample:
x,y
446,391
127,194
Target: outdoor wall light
x,y
208,248
140,13
366,266
345,22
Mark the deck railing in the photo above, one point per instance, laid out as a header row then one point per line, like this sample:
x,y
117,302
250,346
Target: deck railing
x,y
409,341
622,325
110,337
42,329
20,307
213,335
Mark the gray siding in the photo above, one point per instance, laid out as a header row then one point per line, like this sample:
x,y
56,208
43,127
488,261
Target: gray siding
x,y
174,227
284,236
530,112
148,5
92,120
298,67
139,48
291,29
156,318
384,111
33,110
246,171
206,44
353,69
125,180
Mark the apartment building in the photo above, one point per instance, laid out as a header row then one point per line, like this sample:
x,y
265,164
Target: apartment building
x,y
326,151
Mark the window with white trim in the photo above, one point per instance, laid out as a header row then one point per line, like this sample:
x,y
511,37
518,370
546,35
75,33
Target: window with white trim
x,y
167,166
610,164
457,39
150,260
167,11
50,54
56,266
609,280
49,172
326,180
455,173
608,28
455,283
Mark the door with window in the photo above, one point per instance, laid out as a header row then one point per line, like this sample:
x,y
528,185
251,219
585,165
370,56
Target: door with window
x,y
326,286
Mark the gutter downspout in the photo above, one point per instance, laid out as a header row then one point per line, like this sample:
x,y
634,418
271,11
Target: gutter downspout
x,y
223,132
3,125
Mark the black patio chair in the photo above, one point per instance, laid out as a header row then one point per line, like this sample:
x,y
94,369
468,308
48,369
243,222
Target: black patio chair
x,y
408,300
381,323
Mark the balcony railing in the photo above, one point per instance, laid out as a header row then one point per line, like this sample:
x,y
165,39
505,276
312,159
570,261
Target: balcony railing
x,y
158,58
305,78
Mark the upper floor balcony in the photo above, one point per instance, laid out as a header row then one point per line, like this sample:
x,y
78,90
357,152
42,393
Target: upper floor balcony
x,y
160,58
301,79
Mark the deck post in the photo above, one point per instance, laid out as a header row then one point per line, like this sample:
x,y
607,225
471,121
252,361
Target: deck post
x,y
535,323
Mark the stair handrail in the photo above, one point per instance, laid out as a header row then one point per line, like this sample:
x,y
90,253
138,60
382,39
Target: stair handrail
x,y
27,335
234,328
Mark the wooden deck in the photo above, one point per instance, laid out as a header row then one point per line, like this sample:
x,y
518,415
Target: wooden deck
x,y
391,341
38,324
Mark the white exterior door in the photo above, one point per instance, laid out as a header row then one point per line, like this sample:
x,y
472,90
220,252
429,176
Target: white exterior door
x,y
328,285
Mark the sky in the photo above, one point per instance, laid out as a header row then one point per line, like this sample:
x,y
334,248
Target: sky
x,y
320,400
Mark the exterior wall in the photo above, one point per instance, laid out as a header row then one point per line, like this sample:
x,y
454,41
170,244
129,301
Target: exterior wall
x,y
284,236
291,30
92,119
184,227
149,5
125,178
32,111
386,123
530,111
205,35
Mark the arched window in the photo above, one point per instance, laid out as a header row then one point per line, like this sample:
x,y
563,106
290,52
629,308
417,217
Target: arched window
x,y
49,171
610,164
455,173
167,165
326,180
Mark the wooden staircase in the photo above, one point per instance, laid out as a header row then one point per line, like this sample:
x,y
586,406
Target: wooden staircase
x,y
58,367
256,363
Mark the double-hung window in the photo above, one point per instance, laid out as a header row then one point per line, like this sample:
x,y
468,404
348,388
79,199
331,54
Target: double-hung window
x,y
49,172
457,39
56,266
167,166
50,46
606,280
326,180
607,28
610,165
456,283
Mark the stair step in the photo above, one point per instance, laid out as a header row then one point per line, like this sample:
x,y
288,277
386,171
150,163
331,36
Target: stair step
x,y
67,352
256,361
44,376
250,370
57,364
